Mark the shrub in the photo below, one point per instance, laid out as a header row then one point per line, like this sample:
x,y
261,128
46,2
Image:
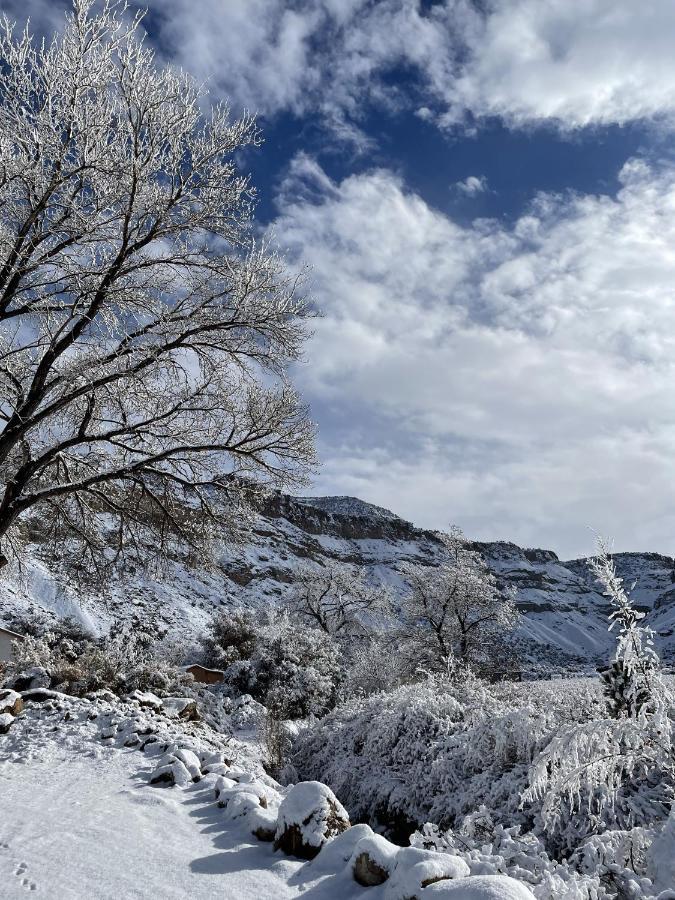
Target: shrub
x,y
293,670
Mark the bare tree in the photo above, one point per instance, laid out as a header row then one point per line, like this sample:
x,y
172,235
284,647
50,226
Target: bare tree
x,y
454,611
336,600
144,335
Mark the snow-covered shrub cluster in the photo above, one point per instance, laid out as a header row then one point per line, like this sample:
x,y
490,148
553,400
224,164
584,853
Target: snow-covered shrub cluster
x,y
430,751
565,785
126,659
294,670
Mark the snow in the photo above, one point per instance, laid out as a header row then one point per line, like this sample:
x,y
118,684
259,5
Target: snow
x,y
79,818
564,619
481,887
662,856
79,827
310,805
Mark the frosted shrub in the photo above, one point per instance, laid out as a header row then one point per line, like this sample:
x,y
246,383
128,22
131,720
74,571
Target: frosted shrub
x,y
126,659
435,751
293,670
611,772
490,849
632,680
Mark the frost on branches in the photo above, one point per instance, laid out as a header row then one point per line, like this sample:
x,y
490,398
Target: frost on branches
x,y
613,772
454,612
632,681
144,336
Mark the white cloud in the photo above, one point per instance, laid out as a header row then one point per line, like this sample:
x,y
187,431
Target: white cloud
x,y
471,186
579,62
515,380
575,62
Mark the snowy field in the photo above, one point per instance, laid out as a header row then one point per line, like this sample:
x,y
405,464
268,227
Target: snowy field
x,y
80,819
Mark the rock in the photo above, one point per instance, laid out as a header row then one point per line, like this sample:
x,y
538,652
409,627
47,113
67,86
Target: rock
x,y
373,860
262,824
479,887
181,708
417,869
147,699
10,702
6,720
367,872
40,695
35,677
191,762
249,789
172,773
309,815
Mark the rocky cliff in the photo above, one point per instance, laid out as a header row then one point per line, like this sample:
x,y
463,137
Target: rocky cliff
x,y
564,620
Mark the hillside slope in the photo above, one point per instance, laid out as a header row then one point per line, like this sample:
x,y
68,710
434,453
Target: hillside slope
x,y
564,614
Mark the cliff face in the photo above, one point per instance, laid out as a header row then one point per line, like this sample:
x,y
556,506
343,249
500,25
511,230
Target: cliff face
x,y
564,619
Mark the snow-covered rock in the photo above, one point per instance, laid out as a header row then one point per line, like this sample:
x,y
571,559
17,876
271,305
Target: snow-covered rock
x,y
34,677
478,887
146,698
417,869
310,814
6,720
10,702
180,708
373,860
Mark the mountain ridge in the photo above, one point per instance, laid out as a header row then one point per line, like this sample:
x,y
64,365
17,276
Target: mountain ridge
x,y
564,613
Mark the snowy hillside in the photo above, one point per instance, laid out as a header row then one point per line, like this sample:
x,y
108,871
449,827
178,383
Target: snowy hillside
x,y
564,614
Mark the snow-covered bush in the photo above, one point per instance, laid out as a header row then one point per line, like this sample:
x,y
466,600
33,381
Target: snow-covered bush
x,y
432,751
616,771
127,658
294,670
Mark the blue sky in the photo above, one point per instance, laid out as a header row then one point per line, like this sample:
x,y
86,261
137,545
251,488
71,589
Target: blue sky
x,y
485,194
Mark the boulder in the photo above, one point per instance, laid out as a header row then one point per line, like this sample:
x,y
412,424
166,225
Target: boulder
x,y
262,823
146,699
373,860
417,870
479,887
310,814
171,773
6,720
181,708
35,677
10,702
40,695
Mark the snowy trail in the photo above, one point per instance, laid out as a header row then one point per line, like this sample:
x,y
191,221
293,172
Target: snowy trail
x,y
84,824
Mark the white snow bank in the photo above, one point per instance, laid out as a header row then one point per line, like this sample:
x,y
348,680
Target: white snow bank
x,y
480,887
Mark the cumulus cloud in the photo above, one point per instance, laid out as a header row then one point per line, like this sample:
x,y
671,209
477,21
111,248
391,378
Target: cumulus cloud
x,y
474,184
516,380
576,62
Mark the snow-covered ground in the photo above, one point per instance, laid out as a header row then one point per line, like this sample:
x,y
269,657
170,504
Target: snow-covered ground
x,y
80,820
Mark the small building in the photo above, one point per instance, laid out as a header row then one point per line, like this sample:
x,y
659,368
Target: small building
x,y
7,638
204,675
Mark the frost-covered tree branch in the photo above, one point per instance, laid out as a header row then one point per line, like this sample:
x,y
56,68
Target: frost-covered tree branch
x,y
335,600
144,334
454,611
